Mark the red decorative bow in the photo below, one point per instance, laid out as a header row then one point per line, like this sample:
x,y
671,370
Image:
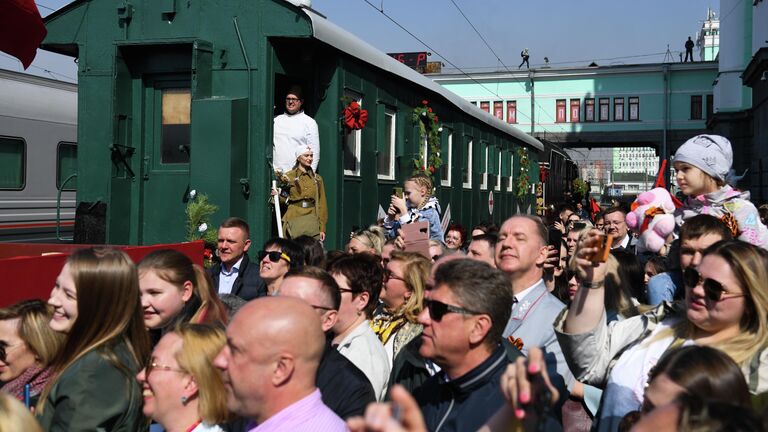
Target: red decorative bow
x,y
354,117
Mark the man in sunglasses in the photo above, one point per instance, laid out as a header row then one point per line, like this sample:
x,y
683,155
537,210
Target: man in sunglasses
x,y
236,274
345,388
696,234
294,130
463,318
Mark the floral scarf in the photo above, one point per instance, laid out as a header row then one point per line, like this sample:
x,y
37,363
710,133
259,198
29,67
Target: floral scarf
x,y
35,376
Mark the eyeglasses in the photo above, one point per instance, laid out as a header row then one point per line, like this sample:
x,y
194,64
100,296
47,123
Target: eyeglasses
x,y
614,223
5,348
389,275
152,365
714,290
274,256
289,100
438,309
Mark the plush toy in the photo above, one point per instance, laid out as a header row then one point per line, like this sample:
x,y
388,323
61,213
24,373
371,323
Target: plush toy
x,y
652,218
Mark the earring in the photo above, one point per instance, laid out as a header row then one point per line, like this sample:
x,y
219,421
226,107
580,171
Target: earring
x,y
184,400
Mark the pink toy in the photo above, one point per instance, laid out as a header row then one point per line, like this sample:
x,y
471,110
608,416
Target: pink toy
x,y
652,218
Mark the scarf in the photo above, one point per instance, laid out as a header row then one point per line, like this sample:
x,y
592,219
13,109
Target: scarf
x,y
35,376
386,325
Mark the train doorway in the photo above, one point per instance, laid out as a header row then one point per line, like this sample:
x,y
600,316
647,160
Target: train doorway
x,y
165,160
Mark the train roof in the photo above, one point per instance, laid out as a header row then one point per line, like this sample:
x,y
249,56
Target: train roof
x,y
31,97
333,35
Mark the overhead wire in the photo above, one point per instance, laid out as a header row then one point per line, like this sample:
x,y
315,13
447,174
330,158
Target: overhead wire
x,y
434,51
48,71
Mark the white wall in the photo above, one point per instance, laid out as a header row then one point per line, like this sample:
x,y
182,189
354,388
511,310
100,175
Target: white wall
x,y
759,26
735,53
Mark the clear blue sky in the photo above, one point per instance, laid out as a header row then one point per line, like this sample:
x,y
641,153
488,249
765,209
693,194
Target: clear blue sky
x,y
568,32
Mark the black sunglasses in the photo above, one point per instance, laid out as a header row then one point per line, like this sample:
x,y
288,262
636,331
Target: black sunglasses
x,y
438,309
713,289
274,256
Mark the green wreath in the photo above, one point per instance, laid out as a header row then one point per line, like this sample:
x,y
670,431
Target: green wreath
x,y
523,181
429,128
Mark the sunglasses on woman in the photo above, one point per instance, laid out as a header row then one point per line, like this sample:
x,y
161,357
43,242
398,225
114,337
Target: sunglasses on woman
x,y
713,290
274,256
438,309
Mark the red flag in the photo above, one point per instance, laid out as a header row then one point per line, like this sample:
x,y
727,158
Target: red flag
x,y
594,207
21,29
660,177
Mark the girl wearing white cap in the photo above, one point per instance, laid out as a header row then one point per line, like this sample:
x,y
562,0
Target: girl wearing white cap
x,y
702,164
307,212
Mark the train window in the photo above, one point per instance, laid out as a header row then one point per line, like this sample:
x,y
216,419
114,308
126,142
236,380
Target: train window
x,y
511,178
498,176
634,108
467,173
447,156
485,148
352,142
176,105
12,161
386,156
66,165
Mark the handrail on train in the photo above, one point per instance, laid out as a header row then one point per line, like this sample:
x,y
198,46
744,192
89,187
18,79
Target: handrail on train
x,y
58,209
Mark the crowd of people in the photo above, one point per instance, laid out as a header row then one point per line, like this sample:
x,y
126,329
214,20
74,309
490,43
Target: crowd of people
x,y
566,323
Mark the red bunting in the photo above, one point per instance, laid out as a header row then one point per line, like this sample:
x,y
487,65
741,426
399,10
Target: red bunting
x,y
21,29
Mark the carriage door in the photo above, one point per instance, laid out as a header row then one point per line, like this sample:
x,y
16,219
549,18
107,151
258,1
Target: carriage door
x,y
165,169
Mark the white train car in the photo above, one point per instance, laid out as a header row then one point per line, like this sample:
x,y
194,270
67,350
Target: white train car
x,y
38,153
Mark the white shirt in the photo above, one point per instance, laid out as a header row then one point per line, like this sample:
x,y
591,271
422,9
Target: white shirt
x,y
227,278
364,349
291,133
624,243
525,292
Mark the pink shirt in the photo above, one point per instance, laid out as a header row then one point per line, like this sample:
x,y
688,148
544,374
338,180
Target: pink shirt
x,y
308,414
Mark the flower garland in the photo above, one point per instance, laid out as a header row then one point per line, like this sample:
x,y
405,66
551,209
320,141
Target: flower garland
x,y
523,181
355,117
199,211
430,130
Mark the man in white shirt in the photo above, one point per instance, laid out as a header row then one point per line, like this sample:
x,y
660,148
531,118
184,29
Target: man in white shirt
x,y
294,130
521,252
236,274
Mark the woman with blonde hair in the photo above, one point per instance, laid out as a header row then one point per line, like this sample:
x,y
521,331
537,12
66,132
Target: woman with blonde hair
x,y
27,347
726,307
174,289
369,240
96,306
14,416
402,296
182,389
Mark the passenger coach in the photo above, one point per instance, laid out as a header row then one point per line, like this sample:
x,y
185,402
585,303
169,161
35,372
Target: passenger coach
x,y
178,96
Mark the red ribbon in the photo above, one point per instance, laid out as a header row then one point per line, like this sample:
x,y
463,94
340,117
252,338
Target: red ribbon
x,y
354,117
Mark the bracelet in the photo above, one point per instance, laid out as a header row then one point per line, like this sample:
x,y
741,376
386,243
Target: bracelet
x,y
593,284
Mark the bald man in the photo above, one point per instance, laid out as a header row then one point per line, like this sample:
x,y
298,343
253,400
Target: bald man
x,y
270,375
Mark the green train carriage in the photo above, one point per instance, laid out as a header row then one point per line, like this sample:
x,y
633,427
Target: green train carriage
x,y
177,96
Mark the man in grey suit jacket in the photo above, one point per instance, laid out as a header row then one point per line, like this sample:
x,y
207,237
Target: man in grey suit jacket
x,y
521,252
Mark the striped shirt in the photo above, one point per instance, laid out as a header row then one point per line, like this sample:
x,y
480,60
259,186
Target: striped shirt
x,y
307,415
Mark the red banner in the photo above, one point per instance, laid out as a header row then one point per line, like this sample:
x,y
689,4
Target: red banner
x,y
21,29
33,276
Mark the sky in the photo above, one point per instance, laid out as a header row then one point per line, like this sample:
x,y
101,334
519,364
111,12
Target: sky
x,y
568,32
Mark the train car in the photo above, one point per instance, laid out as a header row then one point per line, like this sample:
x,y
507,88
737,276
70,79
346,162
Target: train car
x,y
180,96
38,155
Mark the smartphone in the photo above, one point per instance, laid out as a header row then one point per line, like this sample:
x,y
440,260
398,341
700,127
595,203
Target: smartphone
x,y
604,249
416,237
555,239
398,192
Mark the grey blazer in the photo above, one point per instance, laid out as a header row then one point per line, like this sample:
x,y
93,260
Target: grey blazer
x,y
532,321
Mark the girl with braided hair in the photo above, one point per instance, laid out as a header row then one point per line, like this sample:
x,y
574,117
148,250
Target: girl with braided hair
x,y
417,204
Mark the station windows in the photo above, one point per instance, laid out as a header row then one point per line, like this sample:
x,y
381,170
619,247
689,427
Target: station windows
x,y
498,110
710,105
560,111
634,108
386,156
511,112
352,142
589,109
66,165
618,109
696,108
176,104
485,106
466,179
447,157
575,110
12,163
605,109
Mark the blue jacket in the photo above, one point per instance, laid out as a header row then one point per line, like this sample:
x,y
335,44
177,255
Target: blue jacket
x,y
430,212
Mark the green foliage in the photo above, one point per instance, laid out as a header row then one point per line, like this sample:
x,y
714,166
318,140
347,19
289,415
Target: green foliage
x,y
580,187
430,129
523,180
199,211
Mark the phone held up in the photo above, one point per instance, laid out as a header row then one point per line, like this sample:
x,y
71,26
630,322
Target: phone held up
x,y
604,249
398,192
